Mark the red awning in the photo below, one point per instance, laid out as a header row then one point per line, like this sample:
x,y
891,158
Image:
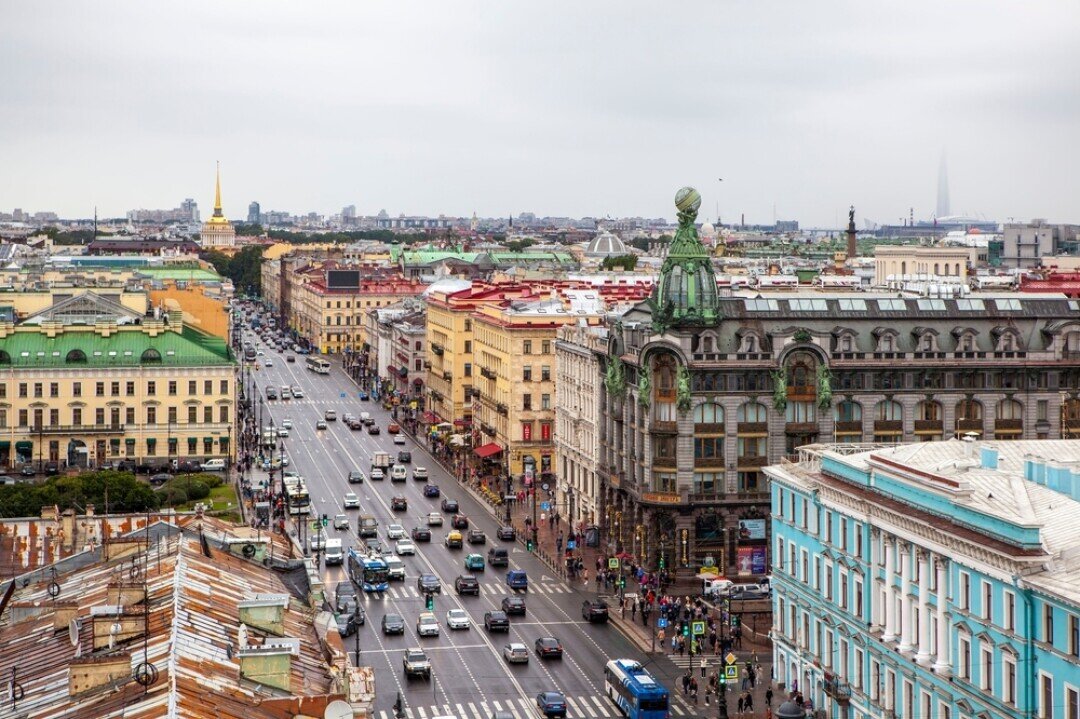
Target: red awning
x,y
463,423
430,418
391,368
488,450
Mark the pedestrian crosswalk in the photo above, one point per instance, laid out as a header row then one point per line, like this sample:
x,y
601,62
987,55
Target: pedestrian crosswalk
x,y
695,662
578,707
409,591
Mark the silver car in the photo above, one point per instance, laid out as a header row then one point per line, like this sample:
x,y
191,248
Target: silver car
x,y
341,521
458,619
427,625
434,519
405,546
516,653
396,531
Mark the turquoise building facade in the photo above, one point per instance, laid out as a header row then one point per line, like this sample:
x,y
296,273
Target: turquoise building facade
x,y
938,580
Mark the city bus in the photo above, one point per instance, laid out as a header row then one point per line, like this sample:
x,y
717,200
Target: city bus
x,y
318,365
634,690
297,499
369,572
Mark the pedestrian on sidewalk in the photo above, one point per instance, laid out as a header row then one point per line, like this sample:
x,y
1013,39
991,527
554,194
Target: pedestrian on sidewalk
x,y
633,611
749,703
686,682
739,706
585,578
768,697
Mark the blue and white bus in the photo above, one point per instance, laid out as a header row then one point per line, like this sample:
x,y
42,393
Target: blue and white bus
x,y
370,573
638,694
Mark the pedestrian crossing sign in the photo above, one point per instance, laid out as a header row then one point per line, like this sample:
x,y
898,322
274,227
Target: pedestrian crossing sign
x,y
731,658
731,672
698,628
613,563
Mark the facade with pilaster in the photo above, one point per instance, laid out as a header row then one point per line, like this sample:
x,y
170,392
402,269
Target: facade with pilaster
x,y
929,580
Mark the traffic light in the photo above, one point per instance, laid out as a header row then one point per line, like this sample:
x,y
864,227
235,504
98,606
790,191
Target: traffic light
x,y
325,521
662,562
622,582
430,603
686,629
529,544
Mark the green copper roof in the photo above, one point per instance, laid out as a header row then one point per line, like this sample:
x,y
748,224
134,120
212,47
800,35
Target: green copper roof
x,y
686,293
509,256
124,348
423,257
195,274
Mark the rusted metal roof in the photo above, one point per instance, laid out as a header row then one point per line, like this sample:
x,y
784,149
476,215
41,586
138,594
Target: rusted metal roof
x,y
192,615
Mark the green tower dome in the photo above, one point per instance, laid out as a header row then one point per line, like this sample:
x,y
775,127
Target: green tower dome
x,y
686,293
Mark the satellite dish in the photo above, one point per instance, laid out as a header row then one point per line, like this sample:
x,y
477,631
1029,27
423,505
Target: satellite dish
x,y
242,636
338,709
73,631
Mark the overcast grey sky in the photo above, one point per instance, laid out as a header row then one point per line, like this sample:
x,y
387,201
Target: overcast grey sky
x,y
562,108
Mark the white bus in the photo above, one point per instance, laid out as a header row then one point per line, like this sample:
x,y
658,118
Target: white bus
x,y
318,365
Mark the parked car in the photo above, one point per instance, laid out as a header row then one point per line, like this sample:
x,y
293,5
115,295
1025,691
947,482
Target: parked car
x,y
506,533
160,478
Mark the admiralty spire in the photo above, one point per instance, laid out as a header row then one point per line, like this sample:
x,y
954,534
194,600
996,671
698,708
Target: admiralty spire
x,y
217,231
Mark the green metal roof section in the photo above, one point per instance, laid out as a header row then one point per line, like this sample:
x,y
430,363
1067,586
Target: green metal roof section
x,y
562,257
423,257
188,348
194,274
686,293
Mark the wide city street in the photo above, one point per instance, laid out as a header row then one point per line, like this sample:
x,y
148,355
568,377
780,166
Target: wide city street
x,y
470,677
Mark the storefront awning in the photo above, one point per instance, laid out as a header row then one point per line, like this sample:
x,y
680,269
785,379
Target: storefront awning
x,y
151,441
488,450
24,445
192,441
5,443
207,439
430,418
129,440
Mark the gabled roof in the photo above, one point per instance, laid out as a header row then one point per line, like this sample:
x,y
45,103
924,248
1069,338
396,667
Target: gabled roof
x,y
85,308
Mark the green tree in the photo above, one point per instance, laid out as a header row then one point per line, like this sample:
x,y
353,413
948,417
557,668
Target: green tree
x,y
626,262
106,490
519,245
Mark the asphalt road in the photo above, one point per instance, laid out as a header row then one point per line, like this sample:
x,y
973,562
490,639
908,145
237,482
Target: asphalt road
x,y
470,677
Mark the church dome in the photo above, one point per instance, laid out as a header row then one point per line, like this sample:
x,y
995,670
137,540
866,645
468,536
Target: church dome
x,y
605,244
686,292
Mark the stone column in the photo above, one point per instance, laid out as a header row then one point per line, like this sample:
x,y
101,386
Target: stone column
x,y
890,597
872,579
906,640
923,654
943,663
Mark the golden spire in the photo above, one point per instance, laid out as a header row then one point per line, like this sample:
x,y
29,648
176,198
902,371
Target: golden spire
x,y
217,193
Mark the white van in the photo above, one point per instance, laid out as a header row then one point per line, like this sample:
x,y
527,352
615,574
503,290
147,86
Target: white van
x,y
399,473
717,587
333,553
213,465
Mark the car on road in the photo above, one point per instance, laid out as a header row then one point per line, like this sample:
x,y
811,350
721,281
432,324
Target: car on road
x,y
330,415
506,533
393,428
427,625
517,579
416,664
496,621
356,476
466,584
396,531
594,610
345,599
283,432
459,521
374,546
286,393
321,424
160,478
419,473
341,521
474,562
431,490
428,583
395,568
513,606
398,473
399,503
290,358
393,624
516,653
458,619
297,392
453,539
317,541
373,429
551,704
421,534
399,439
351,501
498,557
476,536
434,519
362,396
405,457
286,423
269,362
347,624
449,505
377,474
210,465
271,393
548,648
405,547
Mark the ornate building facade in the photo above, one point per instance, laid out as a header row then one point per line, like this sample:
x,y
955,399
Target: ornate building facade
x,y
217,231
703,390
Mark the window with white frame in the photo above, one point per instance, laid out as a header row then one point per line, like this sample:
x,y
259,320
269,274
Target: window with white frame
x,y
987,600
1008,679
857,675
828,581
1046,696
805,567
986,669
843,589
963,653
1008,619
1072,702
857,605
965,591
817,573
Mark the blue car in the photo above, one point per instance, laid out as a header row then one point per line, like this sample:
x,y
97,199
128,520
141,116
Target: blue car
x,y
431,490
517,579
364,396
551,704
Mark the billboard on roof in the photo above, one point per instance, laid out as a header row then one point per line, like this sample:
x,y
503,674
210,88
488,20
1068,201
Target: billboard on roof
x,y
342,279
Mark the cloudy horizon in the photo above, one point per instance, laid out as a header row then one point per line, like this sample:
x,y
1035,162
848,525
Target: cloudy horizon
x,y
594,109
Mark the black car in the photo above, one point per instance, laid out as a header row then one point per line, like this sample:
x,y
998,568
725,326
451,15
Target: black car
x,y
404,457
373,429
431,490
477,536
160,478
459,521
506,533
345,599
467,584
399,503
52,469
513,606
393,624
594,610
356,477
27,470
548,647
290,358
347,624
428,584
496,621
449,505
421,534
498,557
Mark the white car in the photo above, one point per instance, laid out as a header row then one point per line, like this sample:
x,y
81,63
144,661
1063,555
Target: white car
x,y
427,625
458,619
516,653
434,519
351,501
399,439
405,546
341,521
269,362
297,392
286,423
283,432
396,531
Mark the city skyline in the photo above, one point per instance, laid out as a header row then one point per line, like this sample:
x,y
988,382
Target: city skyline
x,y
431,110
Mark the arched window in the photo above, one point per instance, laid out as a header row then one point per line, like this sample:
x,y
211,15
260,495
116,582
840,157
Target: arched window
x,y
848,411
957,269
928,411
802,374
969,409
937,269
888,411
150,355
664,372
1009,409
75,357
903,268
709,413
5,358
751,412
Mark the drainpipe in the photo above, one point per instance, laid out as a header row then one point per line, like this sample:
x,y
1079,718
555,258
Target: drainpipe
x,y
1029,653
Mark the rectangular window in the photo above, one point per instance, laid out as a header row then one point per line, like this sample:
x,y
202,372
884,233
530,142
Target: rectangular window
x,y
223,413
99,389
987,671
114,389
526,347
1008,619
468,369
545,401
526,374
1008,680
224,387
76,416
965,591
1046,696
526,431
129,415
987,601
99,416
22,390
1048,624
24,417
54,389
208,414
54,417
545,347
151,415
1072,703
130,389
192,415
37,389
964,654
545,431
1074,635
192,387
526,402
172,388
151,388
208,386
545,373
172,415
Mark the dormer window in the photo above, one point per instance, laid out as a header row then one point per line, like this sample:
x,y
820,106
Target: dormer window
x,y
1006,339
925,339
847,343
750,344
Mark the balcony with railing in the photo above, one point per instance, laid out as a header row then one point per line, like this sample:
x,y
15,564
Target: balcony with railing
x,y
848,427
663,427
502,409
665,463
103,428
889,426
969,425
752,462
837,689
751,428
929,426
437,348
487,373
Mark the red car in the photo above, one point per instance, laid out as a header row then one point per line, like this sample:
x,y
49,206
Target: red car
x,y
393,428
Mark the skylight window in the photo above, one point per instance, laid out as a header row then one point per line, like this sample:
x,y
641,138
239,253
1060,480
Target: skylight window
x,y
894,305
852,305
934,305
970,305
760,305
1004,305
808,305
